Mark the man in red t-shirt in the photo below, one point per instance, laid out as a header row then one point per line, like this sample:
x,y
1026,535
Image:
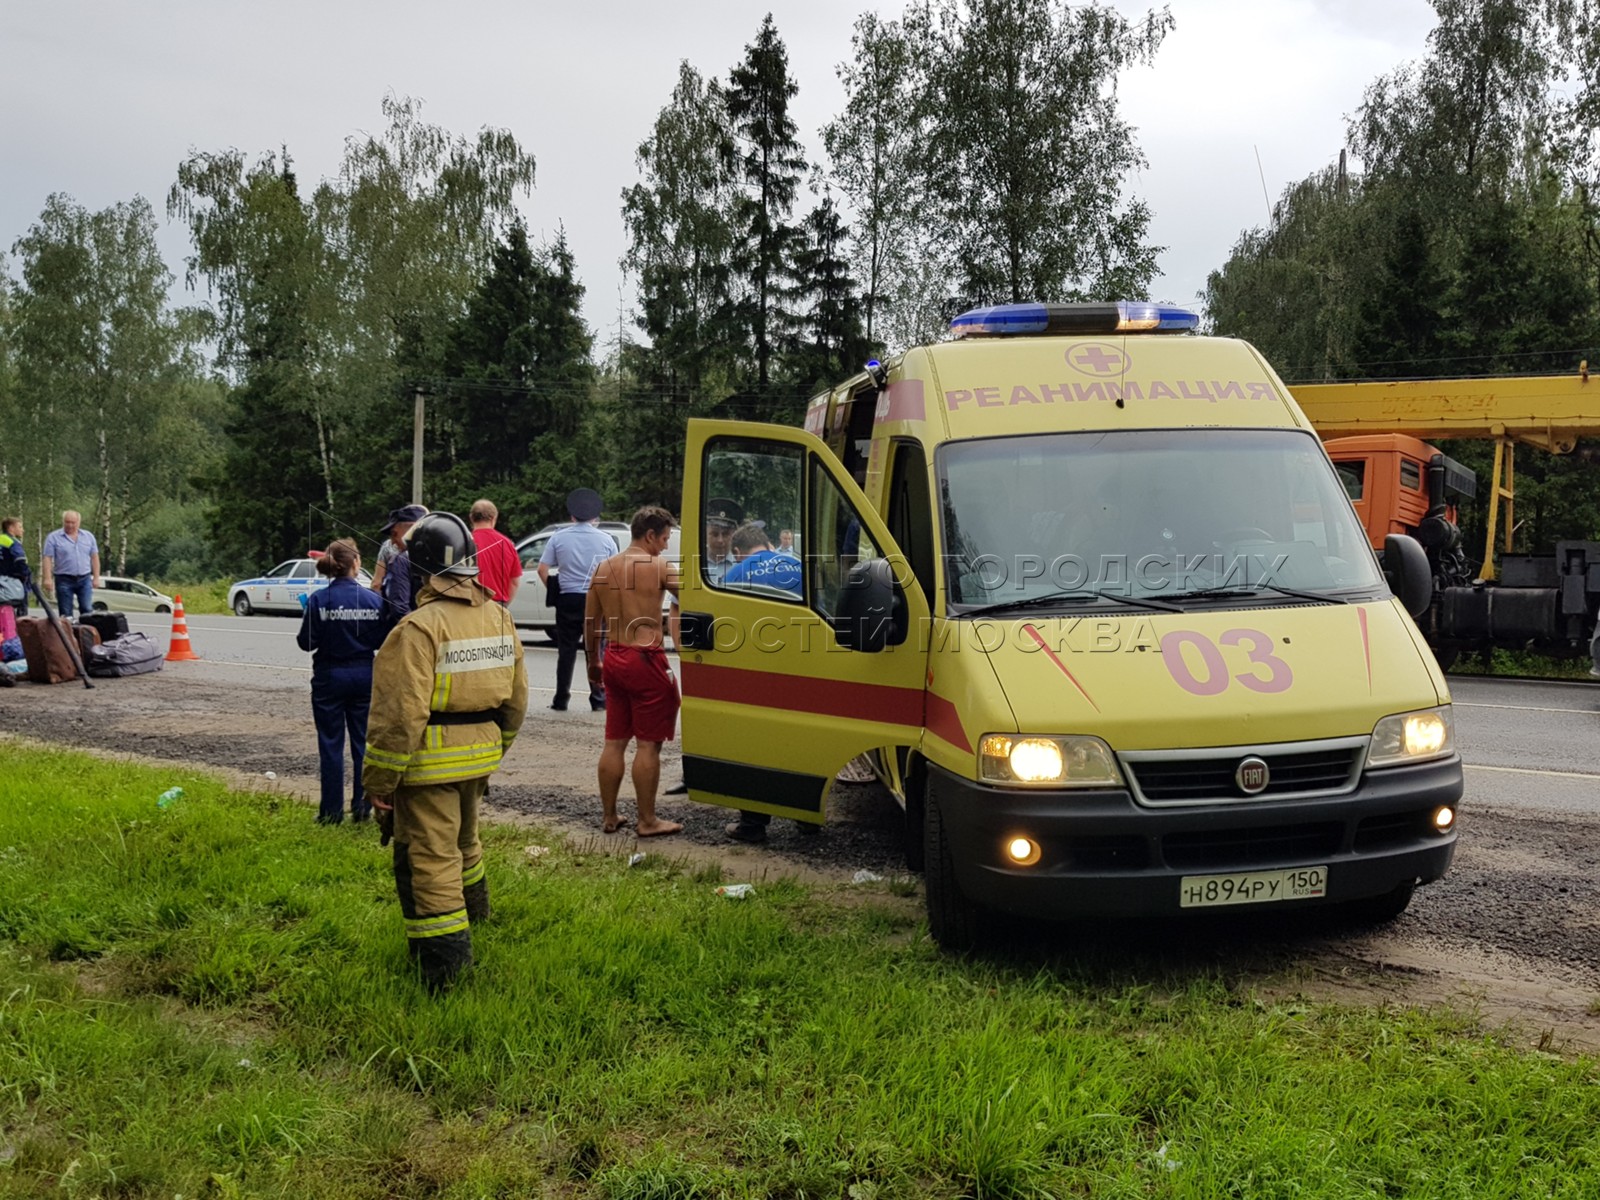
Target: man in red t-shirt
x,y
499,567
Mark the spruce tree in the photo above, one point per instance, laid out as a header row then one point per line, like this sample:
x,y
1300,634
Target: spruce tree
x,y
771,163
830,343
514,401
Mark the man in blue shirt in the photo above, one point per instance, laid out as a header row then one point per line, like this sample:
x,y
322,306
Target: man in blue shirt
x,y
574,553
71,558
392,578
756,562
722,517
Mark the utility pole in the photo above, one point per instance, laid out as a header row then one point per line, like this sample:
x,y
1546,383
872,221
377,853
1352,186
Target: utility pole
x,y
416,449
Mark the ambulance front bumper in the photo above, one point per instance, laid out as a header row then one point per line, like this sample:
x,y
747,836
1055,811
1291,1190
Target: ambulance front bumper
x,y
1101,853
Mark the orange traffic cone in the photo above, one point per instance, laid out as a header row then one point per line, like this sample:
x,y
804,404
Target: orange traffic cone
x,y
180,651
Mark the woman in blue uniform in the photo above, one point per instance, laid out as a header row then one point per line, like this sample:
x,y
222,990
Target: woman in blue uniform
x,y
342,627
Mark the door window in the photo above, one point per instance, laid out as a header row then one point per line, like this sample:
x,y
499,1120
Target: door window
x,y
836,539
305,569
911,510
751,489
1354,477
282,570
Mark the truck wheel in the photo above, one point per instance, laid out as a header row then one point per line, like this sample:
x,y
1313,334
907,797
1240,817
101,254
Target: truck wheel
x,y
955,922
241,605
1378,910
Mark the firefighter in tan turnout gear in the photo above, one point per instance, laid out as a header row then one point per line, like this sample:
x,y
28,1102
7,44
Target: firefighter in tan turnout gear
x,y
448,696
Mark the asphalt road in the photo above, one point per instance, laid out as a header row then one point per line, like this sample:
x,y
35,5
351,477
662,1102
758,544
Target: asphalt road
x,y
1532,747
261,651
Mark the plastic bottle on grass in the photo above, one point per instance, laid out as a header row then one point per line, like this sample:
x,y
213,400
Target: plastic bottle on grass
x,y
736,891
167,797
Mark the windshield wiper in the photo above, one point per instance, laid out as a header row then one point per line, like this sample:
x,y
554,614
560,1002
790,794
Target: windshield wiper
x,y
1256,590
1065,597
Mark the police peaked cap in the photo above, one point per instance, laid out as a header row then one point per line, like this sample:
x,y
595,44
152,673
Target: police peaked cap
x,y
583,504
722,511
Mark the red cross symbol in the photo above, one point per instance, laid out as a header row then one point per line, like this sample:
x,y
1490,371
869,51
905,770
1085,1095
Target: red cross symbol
x,y
1097,358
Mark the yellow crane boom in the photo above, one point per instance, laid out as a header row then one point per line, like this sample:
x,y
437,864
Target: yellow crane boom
x,y
1548,411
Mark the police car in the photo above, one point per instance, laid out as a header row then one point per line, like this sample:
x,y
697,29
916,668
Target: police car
x,y
530,607
282,589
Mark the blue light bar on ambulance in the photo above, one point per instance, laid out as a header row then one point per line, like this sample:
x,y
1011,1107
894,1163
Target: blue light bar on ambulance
x,y
1121,316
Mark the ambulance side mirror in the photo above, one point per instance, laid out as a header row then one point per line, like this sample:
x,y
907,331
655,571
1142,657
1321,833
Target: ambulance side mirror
x,y
871,613
1405,566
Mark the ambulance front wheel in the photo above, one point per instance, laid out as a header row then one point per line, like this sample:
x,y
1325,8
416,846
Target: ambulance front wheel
x,y
955,922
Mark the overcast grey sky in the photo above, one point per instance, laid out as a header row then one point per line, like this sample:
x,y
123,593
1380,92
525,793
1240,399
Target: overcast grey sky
x,y
102,100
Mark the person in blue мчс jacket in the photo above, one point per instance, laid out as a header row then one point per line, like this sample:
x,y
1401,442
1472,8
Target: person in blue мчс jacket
x,y
343,627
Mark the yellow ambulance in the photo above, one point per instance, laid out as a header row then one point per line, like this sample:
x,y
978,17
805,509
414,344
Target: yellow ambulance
x,y
1086,588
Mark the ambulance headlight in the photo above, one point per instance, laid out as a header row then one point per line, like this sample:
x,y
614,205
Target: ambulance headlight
x,y
1047,761
1412,737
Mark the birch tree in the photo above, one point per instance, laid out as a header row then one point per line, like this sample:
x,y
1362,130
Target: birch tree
x,y
99,356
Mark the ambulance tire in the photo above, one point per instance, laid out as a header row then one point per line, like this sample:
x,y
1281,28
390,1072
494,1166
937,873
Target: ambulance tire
x,y
955,922
1378,910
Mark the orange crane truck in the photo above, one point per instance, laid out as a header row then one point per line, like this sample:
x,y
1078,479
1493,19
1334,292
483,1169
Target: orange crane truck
x,y
1379,435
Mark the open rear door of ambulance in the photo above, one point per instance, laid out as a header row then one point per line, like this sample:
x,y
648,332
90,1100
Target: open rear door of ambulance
x,y
784,680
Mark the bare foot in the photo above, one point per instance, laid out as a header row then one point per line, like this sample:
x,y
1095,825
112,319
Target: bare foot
x,y
659,828
614,825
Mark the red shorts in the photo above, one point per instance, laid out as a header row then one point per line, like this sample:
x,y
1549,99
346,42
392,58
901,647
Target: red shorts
x,y
641,697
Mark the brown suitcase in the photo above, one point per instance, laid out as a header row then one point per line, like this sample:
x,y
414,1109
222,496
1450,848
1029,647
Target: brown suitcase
x,y
49,660
88,638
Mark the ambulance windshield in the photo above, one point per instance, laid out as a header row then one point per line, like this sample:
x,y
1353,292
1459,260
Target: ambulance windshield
x,y
1149,514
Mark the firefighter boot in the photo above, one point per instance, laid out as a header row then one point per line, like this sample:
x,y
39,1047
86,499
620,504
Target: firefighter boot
x,y
442,959
475,890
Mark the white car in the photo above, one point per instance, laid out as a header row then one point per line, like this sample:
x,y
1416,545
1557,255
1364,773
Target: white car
x,y
117,594
282,589
529,609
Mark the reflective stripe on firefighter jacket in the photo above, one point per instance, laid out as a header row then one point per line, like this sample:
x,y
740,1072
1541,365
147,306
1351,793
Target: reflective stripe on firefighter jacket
x,y
456,652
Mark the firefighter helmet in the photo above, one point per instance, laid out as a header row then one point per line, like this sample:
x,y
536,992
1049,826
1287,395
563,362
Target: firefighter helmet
x,y
441,544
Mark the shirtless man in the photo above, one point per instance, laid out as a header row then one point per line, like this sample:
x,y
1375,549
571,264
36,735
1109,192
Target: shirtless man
x,y
624,609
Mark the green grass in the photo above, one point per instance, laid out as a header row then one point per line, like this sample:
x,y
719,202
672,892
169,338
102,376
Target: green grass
x,y
1524,662
208,596
213,1000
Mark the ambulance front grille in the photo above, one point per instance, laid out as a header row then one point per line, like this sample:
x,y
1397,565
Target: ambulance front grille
x,y
1187,777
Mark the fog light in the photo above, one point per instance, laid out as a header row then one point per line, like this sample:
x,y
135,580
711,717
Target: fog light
x,y
1022,851
1443,818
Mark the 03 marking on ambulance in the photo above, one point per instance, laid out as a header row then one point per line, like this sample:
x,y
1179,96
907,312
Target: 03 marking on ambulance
x,y
1258,649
